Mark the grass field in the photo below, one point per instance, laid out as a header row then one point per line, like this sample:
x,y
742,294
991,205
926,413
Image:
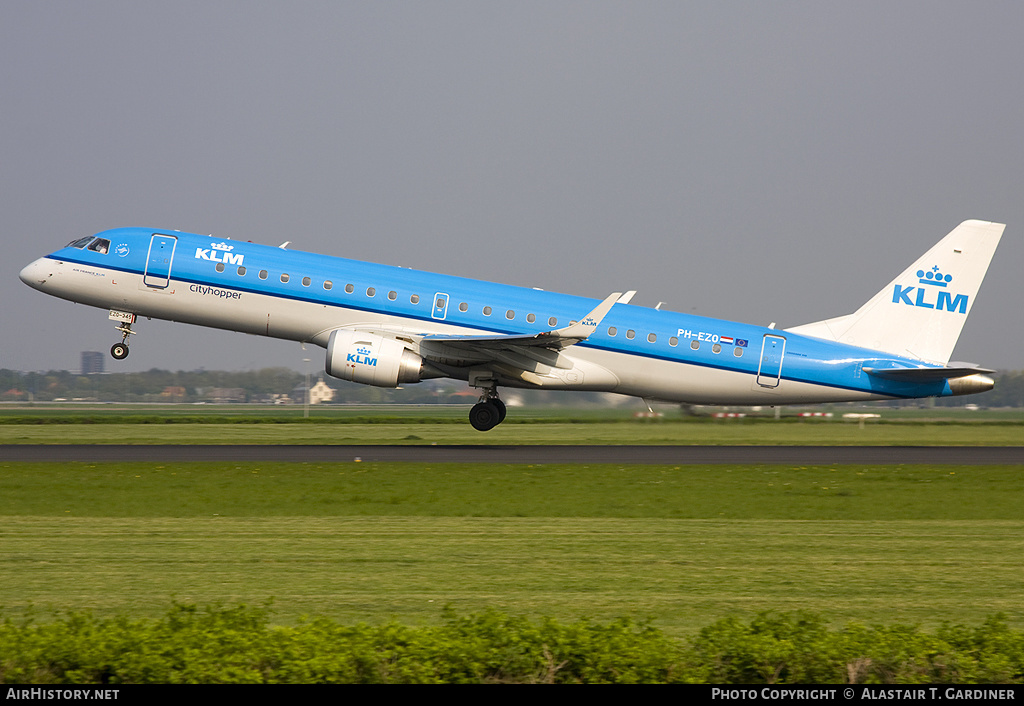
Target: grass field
x,y
447,424
681,546
729,432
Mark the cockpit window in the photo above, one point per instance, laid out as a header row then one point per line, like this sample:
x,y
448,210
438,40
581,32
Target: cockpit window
x,y
80,243
100,245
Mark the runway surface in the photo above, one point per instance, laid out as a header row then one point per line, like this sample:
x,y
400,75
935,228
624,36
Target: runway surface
x,y
800,455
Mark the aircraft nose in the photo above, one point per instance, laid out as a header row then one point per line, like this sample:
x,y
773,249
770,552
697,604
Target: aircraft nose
x,y
35,274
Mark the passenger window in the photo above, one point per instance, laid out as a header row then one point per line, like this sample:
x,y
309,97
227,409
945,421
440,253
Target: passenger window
x,y
241,271
463,306
717,348
370,291
328,284
220,267
695,345
673,341
738,352
552,322
349,289
531,318
487,311
630,334
612,330
652,337
415,299
510,314
263,274
284,277
392,295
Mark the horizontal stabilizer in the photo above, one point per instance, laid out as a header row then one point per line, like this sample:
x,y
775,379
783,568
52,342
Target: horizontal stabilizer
x,y
926,374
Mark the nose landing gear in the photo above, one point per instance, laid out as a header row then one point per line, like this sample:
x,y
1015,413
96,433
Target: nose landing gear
x,y
120,350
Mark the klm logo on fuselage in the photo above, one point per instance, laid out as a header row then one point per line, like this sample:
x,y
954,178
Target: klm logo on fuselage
x,y
219,252
362,356
933,295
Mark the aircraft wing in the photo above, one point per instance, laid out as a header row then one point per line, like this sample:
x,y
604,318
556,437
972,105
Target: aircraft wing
x,y
554,340
535,358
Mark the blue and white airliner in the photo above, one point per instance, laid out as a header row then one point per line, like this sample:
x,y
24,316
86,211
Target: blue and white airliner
x,y
391,326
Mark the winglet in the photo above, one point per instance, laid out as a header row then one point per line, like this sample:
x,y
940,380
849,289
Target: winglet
x,y
582,329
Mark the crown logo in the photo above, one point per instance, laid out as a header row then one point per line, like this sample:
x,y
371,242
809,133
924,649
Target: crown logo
x,y
222,246
363,351
934,277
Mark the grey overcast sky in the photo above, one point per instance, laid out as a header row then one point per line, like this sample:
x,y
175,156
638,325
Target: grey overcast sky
x,y
756,161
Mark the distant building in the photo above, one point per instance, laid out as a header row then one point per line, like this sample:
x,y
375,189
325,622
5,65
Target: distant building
x,y
173,393
92,362
318,393
225,395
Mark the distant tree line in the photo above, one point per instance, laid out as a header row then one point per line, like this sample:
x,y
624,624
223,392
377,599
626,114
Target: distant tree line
x,y
269,386
278,384
156,386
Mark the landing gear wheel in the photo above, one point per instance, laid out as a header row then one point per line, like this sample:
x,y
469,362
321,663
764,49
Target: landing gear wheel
x,y
500,407
484,416
119,351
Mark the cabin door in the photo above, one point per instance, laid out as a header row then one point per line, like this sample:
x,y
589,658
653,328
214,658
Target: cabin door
x,y
770,370
158,261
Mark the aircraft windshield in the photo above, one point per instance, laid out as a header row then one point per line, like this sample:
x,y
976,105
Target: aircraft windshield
x,y
100,245
80,243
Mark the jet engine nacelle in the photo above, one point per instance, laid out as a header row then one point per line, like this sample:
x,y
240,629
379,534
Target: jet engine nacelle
x,y
371,359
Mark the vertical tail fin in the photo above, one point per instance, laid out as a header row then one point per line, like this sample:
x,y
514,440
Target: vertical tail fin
x,y
920,313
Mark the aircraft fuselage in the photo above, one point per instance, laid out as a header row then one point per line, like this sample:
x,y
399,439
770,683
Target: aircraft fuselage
x,y
654,354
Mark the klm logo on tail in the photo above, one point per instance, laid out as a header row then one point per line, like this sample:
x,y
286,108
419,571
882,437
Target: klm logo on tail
x,y
934,282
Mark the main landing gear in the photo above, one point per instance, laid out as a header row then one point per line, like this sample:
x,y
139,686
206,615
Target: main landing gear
x,y
488,413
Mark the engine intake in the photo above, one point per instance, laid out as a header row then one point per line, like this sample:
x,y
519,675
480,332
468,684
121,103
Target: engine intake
x,y
371,359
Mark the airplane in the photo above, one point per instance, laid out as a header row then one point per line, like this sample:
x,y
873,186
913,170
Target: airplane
x,y
391,326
